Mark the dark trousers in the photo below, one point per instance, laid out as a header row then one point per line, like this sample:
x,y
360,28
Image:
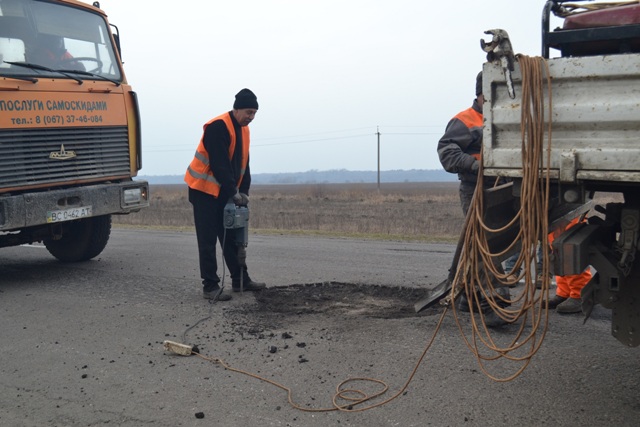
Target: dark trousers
x,y
466,190
208,216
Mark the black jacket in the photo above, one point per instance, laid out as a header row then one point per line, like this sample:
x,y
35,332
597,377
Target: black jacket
x,y
460,147
227,172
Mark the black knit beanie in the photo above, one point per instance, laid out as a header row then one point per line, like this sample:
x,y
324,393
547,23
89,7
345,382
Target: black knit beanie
x,y
245,99
479,83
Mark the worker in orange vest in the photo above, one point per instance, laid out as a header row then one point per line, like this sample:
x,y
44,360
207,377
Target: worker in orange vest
x,y
459,151
219,173
460,147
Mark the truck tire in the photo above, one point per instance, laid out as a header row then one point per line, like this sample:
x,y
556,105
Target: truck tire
x,y
81,239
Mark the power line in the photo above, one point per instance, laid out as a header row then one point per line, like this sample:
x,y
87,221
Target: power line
x,y
312,140
256,143
315,133
411,133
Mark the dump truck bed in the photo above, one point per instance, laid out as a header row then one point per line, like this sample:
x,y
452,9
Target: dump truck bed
x,y
595,117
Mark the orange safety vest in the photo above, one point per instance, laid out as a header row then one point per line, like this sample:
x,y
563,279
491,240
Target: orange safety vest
x,y
199,175
471,119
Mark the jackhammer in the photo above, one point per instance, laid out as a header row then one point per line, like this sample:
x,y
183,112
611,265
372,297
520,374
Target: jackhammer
x,y
236,221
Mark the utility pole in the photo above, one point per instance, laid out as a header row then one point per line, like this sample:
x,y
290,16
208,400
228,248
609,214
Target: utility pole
x,y
378,133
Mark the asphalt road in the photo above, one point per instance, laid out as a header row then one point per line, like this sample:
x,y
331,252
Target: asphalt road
x,y
81,345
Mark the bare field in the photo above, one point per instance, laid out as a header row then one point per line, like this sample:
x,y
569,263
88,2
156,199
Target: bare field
x,y
407,211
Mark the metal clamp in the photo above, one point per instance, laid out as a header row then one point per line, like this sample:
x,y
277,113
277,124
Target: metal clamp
x,y
499,49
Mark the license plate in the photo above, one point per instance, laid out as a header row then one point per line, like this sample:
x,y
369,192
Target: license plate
x,y
69,214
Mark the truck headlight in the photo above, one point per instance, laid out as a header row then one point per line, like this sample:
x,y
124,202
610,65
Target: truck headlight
x,y
133,196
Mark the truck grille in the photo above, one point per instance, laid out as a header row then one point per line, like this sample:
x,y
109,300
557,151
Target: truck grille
x,y
25,155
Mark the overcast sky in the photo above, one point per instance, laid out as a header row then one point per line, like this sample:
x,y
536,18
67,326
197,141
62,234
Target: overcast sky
x,y
328,75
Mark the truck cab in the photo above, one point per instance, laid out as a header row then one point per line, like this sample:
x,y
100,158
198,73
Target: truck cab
x,y
70,136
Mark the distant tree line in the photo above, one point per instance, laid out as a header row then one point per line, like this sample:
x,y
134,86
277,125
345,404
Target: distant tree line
x,y
336,176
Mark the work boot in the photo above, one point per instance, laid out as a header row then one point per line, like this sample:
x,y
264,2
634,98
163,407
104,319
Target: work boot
x,y
492,320
215,294
248,285
503,291
462,304
555,301
570,305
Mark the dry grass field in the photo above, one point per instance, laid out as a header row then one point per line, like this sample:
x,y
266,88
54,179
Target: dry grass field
x,y
403,211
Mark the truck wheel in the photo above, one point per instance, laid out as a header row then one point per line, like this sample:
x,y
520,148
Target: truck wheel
x,y
81,239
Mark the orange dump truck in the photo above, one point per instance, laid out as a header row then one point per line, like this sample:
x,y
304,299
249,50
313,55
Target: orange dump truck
x,y
70,136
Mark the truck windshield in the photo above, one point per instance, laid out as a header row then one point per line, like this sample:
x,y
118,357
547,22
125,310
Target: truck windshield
x,y
53,36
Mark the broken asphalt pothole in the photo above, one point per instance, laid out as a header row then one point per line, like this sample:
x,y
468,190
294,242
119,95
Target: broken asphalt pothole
x,y
339,299
261,323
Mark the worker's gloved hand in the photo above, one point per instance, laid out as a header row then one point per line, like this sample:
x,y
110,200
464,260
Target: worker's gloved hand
x,y
240,199
237,198
475,166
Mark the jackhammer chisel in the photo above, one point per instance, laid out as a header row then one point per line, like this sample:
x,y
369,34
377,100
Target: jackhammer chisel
x,y
236,221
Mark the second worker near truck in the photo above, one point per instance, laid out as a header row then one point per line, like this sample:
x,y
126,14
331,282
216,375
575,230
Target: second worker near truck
x,y
218,173
459,151
460,147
